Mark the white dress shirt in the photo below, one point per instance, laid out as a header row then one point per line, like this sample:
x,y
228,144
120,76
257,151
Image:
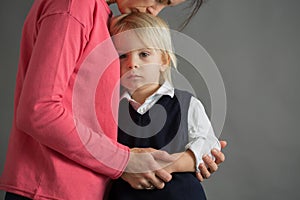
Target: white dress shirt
x,y
200,132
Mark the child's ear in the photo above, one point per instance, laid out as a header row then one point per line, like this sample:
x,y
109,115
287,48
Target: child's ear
x,y
164,67
165,62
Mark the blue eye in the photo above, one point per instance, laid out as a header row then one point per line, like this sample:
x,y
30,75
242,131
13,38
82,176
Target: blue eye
x,y
144,54
121,56
164,2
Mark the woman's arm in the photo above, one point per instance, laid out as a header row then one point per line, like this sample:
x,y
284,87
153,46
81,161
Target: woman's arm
x,y
42,111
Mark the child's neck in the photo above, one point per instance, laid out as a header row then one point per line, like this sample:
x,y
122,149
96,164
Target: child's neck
x,y
141,94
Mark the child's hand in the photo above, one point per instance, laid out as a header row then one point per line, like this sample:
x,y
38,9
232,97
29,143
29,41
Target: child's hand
x,y
210,166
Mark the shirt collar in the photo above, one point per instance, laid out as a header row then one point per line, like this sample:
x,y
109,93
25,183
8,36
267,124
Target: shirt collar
x,y
165,89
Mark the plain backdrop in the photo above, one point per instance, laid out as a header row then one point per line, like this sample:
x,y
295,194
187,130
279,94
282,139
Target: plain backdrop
x,y
256,46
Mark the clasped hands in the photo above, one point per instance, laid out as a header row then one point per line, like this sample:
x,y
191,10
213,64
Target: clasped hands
x,y
149,168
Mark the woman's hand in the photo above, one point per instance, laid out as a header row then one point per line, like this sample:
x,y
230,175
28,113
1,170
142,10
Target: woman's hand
x,y
144,171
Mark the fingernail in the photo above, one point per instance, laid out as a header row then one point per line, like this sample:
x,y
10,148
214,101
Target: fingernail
x,y
215,151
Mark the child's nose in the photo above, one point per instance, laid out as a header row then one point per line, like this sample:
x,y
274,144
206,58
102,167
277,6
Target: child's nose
x,y
132,62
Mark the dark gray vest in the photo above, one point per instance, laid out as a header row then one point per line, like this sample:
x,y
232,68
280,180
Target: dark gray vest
x,y
164,126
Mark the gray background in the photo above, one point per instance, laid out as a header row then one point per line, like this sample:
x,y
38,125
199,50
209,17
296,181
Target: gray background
x,y
256,46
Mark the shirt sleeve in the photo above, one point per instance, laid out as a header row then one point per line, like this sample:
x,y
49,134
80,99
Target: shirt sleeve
x,y
41,110
201,135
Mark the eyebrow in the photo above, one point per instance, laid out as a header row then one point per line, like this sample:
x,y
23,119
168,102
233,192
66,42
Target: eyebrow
x,y
141,49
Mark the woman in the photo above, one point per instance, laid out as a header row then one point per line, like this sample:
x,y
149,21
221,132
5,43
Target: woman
x,y
54,152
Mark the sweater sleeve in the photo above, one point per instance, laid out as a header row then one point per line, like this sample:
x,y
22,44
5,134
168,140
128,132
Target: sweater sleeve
x,y
41,112
201,135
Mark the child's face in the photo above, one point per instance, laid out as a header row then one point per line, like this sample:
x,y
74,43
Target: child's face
x,y
140,66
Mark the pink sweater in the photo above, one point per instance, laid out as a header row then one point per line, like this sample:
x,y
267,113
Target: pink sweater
x,y
63,140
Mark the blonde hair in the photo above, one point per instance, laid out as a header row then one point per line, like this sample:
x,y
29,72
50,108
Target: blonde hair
x,y
152,31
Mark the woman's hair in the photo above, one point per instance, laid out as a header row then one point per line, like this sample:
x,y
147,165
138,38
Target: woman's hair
x,y
196,4
152,31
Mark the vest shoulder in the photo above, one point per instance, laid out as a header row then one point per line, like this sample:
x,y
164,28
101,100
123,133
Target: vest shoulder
x,y
183,93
